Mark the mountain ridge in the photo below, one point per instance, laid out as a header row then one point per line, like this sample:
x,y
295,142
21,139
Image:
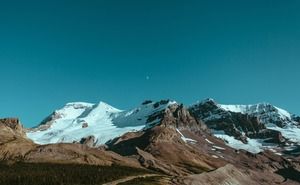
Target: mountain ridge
x,y
257,121
172,140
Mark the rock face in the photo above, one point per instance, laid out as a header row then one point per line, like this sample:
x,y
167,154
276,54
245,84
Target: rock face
x,y
264,122
167,146
89,141
177,116
242,126
85,125
14,124
264,113
13,142
297,119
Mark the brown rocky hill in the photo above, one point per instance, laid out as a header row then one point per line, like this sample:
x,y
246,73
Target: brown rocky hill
x,y
15,147
183,147
13,142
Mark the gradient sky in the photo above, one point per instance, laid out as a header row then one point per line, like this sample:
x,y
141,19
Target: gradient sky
x,y
123,52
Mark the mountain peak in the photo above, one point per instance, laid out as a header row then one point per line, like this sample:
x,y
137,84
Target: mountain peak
x,y
207,100
79,120
107,107
257,109
248,126
70,104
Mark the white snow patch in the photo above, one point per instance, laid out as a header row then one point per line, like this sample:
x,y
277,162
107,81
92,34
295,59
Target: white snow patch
x,y
218,148
261,108
209,141
284,113
214,156
253,145
290,132
234,108
185,139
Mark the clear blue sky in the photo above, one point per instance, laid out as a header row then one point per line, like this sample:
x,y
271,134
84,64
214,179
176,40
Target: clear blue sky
x,y
56,51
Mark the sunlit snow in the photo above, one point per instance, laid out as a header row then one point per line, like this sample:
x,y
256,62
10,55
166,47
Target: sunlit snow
x,y
185,139
102,121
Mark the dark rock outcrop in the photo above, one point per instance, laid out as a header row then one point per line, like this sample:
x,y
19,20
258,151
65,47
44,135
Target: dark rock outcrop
x,y
239,125
89,141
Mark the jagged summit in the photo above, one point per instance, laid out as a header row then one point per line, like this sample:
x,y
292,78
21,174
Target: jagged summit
x,y
251,127
266,109
257,109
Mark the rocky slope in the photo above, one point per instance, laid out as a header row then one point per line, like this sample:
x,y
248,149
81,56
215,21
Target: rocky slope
x,y
13,142
158,147
182,146
16,147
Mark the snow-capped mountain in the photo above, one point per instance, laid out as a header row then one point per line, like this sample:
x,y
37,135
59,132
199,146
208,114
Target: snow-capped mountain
x,y
174,143
250,127
76,122
266,112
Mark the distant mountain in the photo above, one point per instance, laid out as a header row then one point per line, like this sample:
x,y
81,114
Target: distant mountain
x,y
250,127
76,122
